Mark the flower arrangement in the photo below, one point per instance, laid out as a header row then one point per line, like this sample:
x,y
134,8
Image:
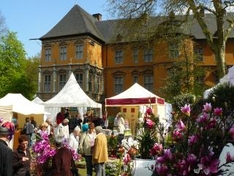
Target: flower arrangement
x,y
131,150
45,149
197,141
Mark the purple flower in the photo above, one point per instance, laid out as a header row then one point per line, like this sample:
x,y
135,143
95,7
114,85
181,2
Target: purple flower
x,y
150,123
218,111
180,125
157,148
207,107
186,109
177,135
209,165
162,169
191,158
231,132
203,118
192,140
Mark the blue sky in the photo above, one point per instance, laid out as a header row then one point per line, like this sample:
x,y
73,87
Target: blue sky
x,y
34,18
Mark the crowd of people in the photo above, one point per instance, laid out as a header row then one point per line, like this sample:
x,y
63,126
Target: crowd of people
x,y
85,136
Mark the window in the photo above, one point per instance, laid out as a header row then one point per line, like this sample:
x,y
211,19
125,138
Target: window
x,y
119,57
135,79
97,84
79,51
47,83
63,53
148,55
135,55
90,83
173,50
118,84
79,79
48,54
148,82
199,53
62,81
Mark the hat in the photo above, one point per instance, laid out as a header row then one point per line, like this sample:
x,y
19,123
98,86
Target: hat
x,y
4,130
65,120
85,127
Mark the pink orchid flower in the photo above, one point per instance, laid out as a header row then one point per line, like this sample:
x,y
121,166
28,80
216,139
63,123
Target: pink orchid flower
x,y
186,109
207,107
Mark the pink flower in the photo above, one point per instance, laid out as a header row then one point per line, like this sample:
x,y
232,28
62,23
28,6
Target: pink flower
x,y
218,111
212,123
177,135
207,107
186,109
126,159
157,148
203,118
191,158
229,158
192,140
150,123
231,131
180,125
149,111
162,169
208,165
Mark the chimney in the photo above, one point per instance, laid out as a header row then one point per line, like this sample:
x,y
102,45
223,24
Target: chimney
x,y
98,16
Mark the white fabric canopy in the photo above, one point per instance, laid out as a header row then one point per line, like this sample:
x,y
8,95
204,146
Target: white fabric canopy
x,y
37,100
21,105
72,95
135,95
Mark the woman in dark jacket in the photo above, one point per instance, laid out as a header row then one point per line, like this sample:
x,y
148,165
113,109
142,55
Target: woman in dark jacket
x,y
22,158
62,160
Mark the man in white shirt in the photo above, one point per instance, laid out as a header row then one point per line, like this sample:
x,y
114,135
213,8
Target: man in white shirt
x,y
63,129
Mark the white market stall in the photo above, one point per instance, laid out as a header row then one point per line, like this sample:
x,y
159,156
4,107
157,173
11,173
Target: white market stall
x,y
71,95
135,99
22,107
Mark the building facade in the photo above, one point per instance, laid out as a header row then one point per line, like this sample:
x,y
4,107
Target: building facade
x,y
86,45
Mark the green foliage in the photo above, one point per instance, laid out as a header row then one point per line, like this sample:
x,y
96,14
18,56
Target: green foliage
x,y
17,74
222,96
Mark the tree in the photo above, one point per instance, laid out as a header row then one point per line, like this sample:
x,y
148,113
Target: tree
x,y
140,11
14,74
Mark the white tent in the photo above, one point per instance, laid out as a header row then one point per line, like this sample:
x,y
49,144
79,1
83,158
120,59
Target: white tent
x,y
228,78
37,100
138,96
135,95
71,95
21,105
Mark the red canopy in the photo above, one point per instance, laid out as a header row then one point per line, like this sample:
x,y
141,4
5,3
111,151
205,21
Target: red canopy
x,y
135,95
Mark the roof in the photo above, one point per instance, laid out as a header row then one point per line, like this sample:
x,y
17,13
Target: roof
x,y
131,97
79,22
76,22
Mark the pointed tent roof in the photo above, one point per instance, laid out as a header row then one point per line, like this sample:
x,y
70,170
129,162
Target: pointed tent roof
x,y
72,95
21,105
76,22
135,95
37,100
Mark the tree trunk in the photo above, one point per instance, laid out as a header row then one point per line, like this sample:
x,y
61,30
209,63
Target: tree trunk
x,y
220,60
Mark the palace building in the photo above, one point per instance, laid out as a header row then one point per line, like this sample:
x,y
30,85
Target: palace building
x,y
105,63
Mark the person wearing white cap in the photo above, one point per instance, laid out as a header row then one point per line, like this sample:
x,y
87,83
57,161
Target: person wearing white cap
x,y
74,139
63,129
